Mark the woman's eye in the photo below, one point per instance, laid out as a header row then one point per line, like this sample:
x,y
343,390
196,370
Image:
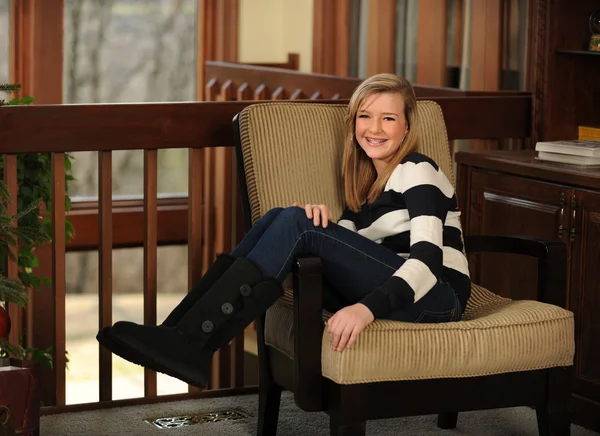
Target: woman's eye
x,y
389,119
363,116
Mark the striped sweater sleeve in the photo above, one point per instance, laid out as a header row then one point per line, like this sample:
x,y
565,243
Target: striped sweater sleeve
x,y
347,220
427,194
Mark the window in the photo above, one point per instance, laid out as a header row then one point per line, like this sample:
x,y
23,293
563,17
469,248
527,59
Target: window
x,y
82,318
129,51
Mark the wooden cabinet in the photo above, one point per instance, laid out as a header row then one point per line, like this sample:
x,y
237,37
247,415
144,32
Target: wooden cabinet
x,y
511,193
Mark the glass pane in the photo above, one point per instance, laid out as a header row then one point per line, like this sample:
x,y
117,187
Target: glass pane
x,y
130,51
4,41
82,317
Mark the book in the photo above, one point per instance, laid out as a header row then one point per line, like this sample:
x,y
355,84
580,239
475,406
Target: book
x,y
589,132
576,147
586,161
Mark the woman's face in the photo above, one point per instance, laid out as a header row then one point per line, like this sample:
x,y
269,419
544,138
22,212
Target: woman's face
x,y
381,127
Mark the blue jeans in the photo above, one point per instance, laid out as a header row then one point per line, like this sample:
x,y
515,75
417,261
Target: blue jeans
x,y
352,264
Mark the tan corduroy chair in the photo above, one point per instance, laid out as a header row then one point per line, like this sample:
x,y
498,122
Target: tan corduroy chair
x,y
503,353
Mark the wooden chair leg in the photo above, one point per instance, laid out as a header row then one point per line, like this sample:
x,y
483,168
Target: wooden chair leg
x,y
337,428
347,413
447,421
269,398
553,416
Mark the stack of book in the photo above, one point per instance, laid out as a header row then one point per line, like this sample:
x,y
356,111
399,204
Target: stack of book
x,y
578,152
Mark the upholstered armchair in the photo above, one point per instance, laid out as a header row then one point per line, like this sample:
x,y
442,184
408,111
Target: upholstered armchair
x,y
503,353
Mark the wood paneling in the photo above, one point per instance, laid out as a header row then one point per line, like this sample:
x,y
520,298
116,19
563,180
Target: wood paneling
x,y
381,33
486,45
565,85
512,193
432,41
331,37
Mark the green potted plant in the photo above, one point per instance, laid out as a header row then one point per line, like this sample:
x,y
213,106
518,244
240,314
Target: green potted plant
x,y
19,390
26,230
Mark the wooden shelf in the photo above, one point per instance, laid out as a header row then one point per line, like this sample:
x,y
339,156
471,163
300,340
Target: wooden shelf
x,y
579,52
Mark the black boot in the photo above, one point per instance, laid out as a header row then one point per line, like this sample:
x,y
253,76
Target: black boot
x,y
216,270
185,350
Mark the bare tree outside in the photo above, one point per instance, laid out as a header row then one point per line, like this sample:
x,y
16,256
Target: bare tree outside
x,y
124,51
4,42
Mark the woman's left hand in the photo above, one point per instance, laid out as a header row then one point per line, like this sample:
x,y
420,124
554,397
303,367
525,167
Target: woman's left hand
x,y
346,324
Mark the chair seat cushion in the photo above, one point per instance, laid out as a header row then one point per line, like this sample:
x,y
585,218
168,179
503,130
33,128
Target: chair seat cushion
x,y
496,335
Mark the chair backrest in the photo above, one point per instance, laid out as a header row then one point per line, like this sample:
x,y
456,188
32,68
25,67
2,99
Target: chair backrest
x,y
293,152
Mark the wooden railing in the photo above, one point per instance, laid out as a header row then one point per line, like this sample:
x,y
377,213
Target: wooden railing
x,y
204,220
234,81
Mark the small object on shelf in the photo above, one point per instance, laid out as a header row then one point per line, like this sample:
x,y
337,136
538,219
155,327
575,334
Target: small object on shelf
x,y
584,161
589,132
578,152
595,29
587,148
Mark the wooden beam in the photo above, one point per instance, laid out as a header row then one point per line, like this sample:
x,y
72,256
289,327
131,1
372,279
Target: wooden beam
x,y
217,36
331,37
432,41
36,48
486,45
381,37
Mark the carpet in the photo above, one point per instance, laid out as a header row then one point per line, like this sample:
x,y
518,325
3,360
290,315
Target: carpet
x,y
131,421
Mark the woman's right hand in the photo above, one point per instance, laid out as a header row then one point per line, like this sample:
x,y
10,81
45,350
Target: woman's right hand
x,y
319,213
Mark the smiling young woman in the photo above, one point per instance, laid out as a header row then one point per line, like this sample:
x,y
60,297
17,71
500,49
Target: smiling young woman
x,y
395,253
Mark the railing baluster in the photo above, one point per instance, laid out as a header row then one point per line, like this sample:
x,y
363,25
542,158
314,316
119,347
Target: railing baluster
x,y
150,253
261,92
105,232
297,95
278,94
196,208
10,179
58,273
243,92
195,179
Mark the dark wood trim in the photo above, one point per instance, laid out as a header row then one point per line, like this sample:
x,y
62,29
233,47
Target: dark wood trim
x,y
59,275
150,254
289,80
9,177
103,231
128,223
529,167
175,125
537,62
220,393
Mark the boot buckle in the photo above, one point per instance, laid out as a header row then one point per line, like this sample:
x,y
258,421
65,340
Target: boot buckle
x,y
227,308
207,326
246,290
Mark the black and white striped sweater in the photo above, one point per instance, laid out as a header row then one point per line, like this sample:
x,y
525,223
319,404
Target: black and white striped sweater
x,y
417,217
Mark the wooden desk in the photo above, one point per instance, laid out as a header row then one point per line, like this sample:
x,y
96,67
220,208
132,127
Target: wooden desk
x,y
512,193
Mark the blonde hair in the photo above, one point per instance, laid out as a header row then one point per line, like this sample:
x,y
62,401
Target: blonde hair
x,y
361,181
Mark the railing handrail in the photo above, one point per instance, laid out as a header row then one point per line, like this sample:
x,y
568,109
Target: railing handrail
x,y
152,126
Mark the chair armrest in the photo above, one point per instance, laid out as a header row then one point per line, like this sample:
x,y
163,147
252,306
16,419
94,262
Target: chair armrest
x,y
308,333
551,255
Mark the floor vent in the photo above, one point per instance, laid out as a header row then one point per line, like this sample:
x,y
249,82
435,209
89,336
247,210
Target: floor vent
x,y
201,418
